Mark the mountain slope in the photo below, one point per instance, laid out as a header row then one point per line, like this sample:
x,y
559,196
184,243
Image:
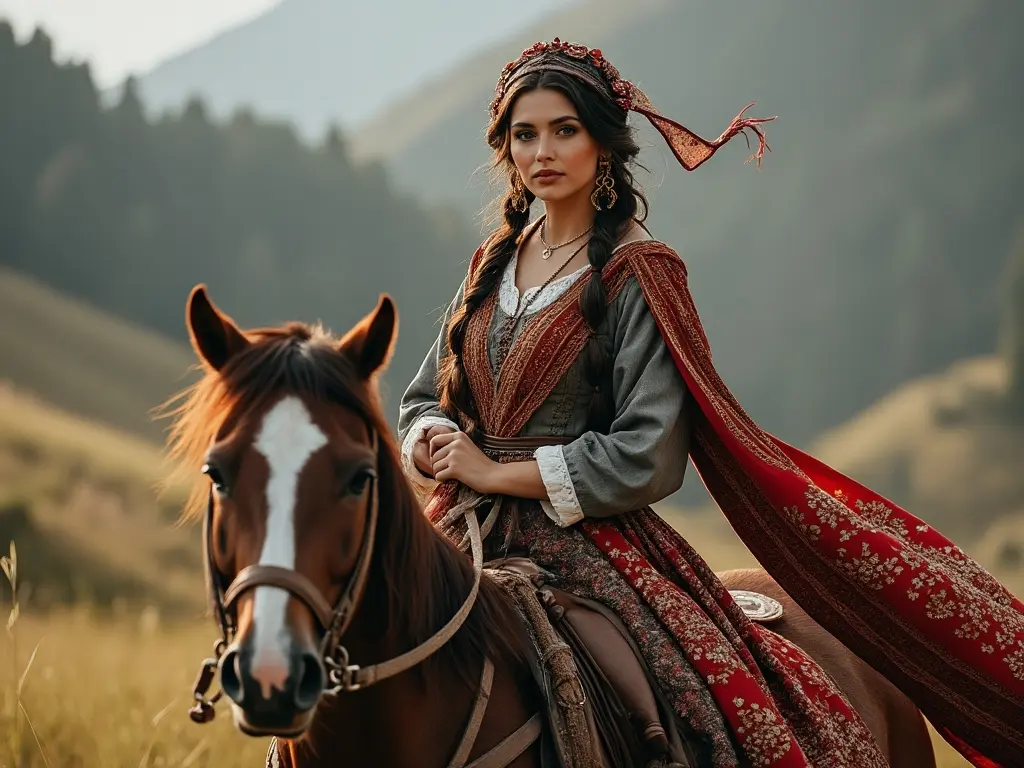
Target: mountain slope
x,y
85,360
314,62
869,248
940,446
456,100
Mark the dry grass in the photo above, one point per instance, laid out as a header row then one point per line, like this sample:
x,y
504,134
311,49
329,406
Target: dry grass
x,y
81,692
110,694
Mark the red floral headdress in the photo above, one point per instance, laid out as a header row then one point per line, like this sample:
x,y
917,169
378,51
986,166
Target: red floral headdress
x,y
592,67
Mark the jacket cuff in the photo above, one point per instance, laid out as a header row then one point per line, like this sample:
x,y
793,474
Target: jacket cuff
x,y
562,506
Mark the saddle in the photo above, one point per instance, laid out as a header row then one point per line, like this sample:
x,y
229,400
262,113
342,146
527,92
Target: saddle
x,y
604,707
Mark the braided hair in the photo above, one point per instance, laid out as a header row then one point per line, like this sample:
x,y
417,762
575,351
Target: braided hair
x,y
607,123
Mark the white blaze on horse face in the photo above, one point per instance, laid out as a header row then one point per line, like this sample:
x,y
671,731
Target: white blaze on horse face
x,y
287,438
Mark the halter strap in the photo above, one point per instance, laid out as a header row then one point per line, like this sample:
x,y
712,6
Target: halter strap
x,y
353,677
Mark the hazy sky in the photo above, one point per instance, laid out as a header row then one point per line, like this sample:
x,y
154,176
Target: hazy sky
x,y
119,37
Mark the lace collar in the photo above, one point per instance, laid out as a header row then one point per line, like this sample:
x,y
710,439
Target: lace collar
x,y
508,293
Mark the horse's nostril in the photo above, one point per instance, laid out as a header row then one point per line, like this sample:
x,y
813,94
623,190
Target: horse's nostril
x,y
311,682
230,676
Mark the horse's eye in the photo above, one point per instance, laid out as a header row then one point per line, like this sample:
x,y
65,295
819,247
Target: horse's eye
x,y
216,478
359,481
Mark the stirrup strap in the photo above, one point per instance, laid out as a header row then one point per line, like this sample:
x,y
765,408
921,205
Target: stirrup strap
x,y
513,746
476,716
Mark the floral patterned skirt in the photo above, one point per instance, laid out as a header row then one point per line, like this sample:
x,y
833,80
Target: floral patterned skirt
x,y
751,697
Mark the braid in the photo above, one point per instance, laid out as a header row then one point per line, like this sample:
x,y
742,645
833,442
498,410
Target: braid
x,y
453,385
597,363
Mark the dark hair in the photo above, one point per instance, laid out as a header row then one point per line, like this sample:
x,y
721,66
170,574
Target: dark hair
x,y
606,122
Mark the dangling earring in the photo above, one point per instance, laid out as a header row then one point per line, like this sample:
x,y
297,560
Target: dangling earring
x,y
604,186
519,201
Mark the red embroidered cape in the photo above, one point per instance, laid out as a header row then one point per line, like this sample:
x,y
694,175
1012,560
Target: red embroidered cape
x,y
890,587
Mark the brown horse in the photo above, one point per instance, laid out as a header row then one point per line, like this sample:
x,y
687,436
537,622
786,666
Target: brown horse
x,y
315,538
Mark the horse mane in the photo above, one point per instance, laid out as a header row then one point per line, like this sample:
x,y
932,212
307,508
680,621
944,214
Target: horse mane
x,y
426,578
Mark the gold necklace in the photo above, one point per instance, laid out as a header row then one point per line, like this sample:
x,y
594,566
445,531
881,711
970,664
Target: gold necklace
x,y
509,327
549,249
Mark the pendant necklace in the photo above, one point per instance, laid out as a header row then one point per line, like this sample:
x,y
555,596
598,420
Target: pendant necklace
x,y
549,249
509,326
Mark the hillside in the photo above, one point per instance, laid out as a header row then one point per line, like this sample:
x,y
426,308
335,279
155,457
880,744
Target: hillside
x,y
854,262
868,250
84,359
79,490
318,62
941,447
457,98
80,501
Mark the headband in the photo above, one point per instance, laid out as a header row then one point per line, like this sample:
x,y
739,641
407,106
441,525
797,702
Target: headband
x,y
590,66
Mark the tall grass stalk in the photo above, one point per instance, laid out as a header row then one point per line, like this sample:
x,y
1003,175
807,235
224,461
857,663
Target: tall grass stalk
x,y
18,745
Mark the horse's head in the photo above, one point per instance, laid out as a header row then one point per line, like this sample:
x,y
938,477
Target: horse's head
x,y
286,426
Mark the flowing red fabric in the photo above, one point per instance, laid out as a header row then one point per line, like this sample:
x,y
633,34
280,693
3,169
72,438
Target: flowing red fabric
x,y
889,586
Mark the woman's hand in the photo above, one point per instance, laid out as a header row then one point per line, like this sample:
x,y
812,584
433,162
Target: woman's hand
x,y
454,456
421,452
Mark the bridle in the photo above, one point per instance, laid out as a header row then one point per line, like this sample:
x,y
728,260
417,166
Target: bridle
x,y
342,676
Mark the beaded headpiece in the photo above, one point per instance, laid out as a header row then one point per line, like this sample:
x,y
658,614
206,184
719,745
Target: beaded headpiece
x,y
592,67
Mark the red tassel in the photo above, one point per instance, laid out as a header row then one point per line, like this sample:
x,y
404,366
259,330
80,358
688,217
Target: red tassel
x,y
685,143
741,124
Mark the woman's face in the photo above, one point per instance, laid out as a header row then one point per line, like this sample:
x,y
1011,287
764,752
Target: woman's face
x,y
554,154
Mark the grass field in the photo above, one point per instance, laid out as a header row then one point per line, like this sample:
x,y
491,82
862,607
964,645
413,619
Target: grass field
x,y
114,694
110,693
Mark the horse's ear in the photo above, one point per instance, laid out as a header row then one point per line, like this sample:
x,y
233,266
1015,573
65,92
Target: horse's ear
x,y
371,342
214,335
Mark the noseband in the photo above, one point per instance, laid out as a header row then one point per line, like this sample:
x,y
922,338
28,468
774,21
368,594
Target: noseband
x,y
333,619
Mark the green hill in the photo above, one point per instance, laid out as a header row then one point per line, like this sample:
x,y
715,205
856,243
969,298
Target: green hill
x,y
79,499
868,250
85,360
867,253
80,460
940,446
448,111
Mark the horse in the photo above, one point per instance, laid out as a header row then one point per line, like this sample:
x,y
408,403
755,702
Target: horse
x,y
313,537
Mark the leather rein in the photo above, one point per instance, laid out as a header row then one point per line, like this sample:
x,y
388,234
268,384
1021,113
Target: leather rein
x,y
343,676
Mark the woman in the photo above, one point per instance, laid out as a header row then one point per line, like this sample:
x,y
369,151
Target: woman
x,y
572,376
